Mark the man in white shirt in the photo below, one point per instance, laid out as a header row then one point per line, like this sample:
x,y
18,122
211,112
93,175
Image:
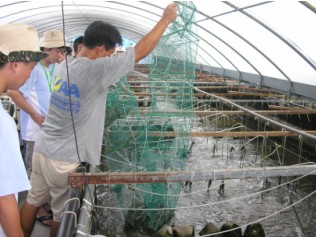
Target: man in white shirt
x,y
19,52
33,100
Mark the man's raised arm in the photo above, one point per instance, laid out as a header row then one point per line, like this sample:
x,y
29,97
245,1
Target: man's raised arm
x,y
149,41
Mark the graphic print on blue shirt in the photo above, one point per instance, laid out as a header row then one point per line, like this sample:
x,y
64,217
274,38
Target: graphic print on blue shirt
x,y
61,93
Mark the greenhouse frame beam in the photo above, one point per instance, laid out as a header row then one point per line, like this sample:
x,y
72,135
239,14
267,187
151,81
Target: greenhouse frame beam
x,y
248,42
308,5
79,179
286,41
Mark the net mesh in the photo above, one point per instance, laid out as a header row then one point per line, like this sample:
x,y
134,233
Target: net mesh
x,y
135,140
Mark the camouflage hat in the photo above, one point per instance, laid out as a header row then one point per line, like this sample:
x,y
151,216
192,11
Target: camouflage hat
x,y
19,43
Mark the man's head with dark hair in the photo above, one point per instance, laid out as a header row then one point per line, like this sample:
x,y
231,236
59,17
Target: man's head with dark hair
x,y
78,42
100,33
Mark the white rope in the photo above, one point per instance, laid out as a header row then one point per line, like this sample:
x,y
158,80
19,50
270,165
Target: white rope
x,y
71,212
71,199
266,217
176,195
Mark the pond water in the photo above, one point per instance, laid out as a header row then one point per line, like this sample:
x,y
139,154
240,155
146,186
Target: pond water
x,y
239,203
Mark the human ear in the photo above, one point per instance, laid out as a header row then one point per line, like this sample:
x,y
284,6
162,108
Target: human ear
x,y
101,50
14,67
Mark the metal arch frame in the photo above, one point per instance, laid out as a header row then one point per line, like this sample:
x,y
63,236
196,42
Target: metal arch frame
x,y
309,6
232,48
96,6
242,10
126,32
229,12
82,5
258,50
70,22
58,11
199,38
232,11
291,85
135,33
119,3
75,31
203,40
282,38
245,40
12,3
286,41
228,45
209,54
76,6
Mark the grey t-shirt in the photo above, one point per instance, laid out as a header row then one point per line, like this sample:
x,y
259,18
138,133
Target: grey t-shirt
x,y
89,82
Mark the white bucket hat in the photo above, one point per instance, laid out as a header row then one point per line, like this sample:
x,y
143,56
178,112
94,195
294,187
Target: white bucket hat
x,y
19,43
54,39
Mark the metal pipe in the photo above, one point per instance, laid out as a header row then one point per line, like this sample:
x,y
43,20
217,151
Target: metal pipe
x,y
71,211
69,217
84,221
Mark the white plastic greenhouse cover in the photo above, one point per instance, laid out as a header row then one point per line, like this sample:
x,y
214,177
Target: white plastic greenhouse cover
x,y
270,43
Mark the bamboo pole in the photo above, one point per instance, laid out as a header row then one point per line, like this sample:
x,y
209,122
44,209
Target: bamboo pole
x,y
234,87
78,179
283,107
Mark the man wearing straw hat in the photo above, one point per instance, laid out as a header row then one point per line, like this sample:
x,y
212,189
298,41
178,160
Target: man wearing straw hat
x,y
19,52
33,100
78,100
33,97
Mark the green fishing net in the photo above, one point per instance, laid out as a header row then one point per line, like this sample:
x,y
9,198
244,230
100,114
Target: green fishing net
x,y
135,139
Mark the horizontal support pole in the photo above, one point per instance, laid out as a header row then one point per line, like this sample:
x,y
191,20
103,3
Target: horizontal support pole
x,y
229,93
234,87
283,107
227,134
78,179
238,112
249,134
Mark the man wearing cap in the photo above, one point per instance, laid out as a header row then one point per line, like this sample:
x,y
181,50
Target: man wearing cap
x,y
78,101
33,99
19,52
